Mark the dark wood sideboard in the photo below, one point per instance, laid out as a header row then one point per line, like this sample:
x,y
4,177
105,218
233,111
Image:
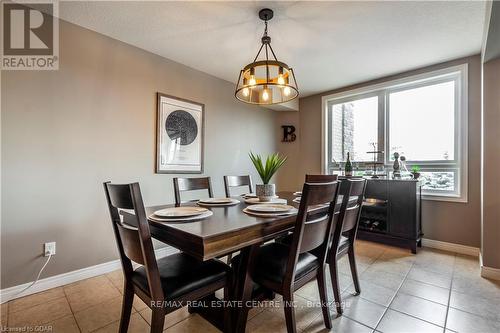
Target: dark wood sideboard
x,y
392,213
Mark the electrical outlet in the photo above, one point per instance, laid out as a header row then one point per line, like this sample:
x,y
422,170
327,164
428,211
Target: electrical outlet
x,y
49,249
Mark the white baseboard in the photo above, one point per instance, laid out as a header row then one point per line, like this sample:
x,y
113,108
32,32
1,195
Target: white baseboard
x,y
11,293
489,272
457,248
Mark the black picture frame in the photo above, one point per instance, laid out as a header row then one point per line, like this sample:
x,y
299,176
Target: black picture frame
x,y
182,130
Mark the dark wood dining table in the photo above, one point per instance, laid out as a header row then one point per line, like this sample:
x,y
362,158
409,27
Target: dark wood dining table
x,y
228,230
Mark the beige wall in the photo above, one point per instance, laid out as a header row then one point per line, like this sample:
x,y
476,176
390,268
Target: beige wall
x,y
65,132
444,221
491,166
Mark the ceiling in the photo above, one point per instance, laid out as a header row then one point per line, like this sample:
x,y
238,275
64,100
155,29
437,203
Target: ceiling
x,y
329,44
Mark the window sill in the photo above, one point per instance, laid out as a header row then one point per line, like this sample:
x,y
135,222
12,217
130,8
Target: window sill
x,y
430,197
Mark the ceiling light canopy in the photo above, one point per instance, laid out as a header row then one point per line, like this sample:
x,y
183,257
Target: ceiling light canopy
x,y
266,81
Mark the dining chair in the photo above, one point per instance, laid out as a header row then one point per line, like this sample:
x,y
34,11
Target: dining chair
x,y
309,179
191,184
342,243
285,268
344,235
237,181
165,284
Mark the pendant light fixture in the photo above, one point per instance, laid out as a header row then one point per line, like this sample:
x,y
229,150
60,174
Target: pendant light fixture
x,y
266,81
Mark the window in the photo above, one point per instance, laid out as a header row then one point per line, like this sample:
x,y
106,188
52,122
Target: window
x,y
423,118
353,127
430,108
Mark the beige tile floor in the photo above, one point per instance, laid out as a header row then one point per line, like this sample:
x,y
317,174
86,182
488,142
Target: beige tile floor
x,y
433,291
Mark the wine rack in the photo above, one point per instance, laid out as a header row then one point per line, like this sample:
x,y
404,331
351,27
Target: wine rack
x,y
391,213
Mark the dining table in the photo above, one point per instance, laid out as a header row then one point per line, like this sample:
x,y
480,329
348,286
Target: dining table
x,y
228,230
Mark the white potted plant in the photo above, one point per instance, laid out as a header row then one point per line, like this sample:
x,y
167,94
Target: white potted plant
x,y
266,191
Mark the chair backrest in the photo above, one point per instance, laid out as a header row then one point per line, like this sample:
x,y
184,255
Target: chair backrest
x,y
312,231
236,181
191,184
134,241
321,178
348,221
326,179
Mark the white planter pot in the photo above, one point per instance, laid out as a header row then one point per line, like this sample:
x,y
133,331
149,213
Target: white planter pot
x,y
265,192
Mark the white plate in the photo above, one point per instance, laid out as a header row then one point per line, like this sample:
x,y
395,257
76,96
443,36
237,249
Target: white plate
x,y
297,194
174,212
202,216
249,195
270,208
290,212
230,202
215,201
252,201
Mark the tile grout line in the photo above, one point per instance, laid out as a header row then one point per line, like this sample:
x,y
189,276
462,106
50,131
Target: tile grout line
x,y
392,299
71,309
88,307
359,277
423,298
74,318
472,313
345,290
32,306
421,319
348,317
72,312
449,294
405,278
462,309
106,326
399,290
53,319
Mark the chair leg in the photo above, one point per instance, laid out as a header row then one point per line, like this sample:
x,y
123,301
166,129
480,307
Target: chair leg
x,y
244,287
227,310
128,299
289,312
157,320
354,270
229,257
335,284
323,295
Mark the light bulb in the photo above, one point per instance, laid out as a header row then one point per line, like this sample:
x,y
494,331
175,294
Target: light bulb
x,y
287,91
265,95
281,80
245,92
252,81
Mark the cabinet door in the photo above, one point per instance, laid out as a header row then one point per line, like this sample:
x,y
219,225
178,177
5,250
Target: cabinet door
x,y
377,189
403,209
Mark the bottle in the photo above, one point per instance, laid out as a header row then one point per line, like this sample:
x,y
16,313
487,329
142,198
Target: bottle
x,y
348,166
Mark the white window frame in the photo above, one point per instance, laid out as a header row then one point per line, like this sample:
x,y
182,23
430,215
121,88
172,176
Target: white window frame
x,y
457,73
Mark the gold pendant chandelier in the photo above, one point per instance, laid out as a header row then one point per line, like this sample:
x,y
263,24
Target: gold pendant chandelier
x,y
266,81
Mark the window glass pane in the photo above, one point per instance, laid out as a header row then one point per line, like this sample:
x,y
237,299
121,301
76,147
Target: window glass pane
x,y
443,181
422,122
354,127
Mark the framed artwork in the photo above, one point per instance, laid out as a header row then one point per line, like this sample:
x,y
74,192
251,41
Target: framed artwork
x,y
179,135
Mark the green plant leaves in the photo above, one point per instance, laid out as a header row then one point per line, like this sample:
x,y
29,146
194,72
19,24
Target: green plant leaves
x,y
272,164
